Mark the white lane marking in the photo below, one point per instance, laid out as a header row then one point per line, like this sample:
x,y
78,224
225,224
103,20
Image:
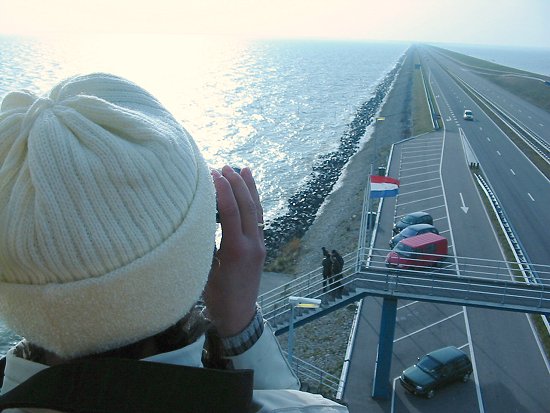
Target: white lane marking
x,y
532,199
473,359
406,305
463,207
428,326
498,153
513,173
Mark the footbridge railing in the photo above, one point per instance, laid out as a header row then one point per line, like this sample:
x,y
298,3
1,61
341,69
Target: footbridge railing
x,y
454,280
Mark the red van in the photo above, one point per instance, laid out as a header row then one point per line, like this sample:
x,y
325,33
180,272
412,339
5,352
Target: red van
x,y
423,250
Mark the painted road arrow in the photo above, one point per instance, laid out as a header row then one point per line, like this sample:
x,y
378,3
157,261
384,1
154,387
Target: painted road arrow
x,y
463,207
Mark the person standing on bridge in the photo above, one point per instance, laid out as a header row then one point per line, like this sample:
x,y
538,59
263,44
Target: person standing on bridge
x,y
327,269
337,267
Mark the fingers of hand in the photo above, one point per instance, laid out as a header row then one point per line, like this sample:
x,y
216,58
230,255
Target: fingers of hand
x,y
244,193
227,204
246,174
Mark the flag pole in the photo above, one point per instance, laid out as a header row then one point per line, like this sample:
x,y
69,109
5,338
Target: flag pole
x,y
363,230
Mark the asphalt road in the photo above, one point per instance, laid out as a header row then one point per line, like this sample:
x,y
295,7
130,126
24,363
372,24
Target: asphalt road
x,y
510,372
535,118
523,191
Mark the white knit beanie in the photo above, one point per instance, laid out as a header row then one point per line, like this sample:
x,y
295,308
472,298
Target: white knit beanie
x,y
107,216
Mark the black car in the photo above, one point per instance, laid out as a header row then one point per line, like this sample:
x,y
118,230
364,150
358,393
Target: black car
x,y
411,231
436,369
418,217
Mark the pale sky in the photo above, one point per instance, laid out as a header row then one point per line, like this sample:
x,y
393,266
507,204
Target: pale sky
x,y
490,22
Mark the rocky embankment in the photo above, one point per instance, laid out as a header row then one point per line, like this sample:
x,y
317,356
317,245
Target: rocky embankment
x,y
304,205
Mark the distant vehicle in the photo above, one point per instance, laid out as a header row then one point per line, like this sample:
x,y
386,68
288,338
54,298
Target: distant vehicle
x,y
418,217
468,115
424,250
411,231
436,369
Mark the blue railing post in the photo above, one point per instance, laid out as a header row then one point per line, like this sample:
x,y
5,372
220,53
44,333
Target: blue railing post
x,y
381,388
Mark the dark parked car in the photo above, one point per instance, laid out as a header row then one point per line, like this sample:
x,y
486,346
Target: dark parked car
x,y
436,369
418,217
411,231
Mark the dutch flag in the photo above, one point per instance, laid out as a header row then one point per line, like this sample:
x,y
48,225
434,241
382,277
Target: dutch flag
x,y
383,186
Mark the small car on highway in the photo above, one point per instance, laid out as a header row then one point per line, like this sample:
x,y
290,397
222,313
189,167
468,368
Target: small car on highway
x,y
418,217
436,369
468,115
411,231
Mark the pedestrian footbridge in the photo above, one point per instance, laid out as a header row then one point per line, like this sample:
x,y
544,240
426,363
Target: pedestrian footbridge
x,y
461,281
464,281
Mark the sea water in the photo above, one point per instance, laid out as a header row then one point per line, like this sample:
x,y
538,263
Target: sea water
x,y
275,106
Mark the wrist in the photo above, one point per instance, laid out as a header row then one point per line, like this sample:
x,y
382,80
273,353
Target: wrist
x,y
238,343
234,321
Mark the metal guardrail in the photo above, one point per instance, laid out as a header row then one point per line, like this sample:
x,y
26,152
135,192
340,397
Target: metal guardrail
x,y
275,304
460,280
276,310
529,273
311,374
433,113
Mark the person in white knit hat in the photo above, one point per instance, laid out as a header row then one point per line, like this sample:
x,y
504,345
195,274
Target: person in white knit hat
x,y
107,227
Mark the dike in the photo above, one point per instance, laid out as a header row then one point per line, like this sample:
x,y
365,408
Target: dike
x,y
324,342
304,204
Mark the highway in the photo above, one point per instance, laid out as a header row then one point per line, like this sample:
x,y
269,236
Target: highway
x,y
509,364
535,118
511,373
523,191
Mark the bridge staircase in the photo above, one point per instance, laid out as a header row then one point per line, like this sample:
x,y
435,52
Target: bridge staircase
x,y
276,307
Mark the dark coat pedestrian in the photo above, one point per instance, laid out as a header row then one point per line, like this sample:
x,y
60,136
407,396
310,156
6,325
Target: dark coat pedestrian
x,y
327,269
337,267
